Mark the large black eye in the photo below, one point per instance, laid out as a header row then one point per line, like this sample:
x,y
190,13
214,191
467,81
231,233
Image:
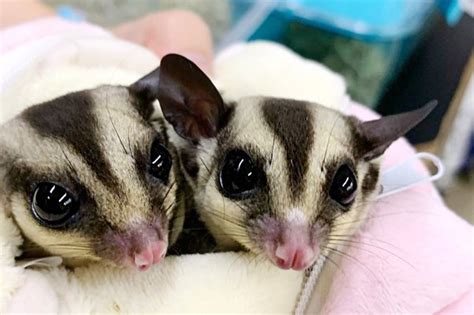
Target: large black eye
x,y
52,204
239,176
160,162
344,186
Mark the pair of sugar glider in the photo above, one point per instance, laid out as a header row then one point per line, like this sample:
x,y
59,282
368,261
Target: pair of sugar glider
x,y
102,176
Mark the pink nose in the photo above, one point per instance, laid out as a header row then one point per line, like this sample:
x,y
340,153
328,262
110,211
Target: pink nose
x,y
152,254
294,256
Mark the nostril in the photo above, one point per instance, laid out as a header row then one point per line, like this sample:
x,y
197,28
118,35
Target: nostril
x,y
292,256
281,252
284,256
142,262
143,267
143,259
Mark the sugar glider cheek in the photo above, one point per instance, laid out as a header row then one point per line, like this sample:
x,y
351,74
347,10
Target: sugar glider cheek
x,y
91,176
282,178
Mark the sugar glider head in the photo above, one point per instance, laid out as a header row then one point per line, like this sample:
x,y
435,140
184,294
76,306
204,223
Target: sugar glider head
x,y
280,177
91,176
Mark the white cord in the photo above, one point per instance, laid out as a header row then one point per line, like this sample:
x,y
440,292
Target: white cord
x,y
308,286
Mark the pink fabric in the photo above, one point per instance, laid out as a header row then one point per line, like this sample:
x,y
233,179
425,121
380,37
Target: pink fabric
x,y
15,36
465,305
413,256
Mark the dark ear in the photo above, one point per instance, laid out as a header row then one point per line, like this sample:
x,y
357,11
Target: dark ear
x,y
377,135
147,87
145,92
188,99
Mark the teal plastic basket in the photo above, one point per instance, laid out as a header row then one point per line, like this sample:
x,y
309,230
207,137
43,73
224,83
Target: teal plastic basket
x,y
367,41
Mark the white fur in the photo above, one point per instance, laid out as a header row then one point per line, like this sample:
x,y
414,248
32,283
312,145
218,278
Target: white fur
x,y
269,69
297,217
197,283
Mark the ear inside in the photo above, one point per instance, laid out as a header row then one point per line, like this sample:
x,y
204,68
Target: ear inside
x,y
377,135
188,99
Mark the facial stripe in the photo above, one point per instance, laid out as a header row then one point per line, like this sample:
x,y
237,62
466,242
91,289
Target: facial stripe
x,y
189,163
142,105
292,123
161,126
70,119
326,214
370,179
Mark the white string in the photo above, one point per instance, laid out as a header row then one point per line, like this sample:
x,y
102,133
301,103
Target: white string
x,y
309,285
403,183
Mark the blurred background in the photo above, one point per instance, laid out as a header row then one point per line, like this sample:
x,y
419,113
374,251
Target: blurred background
x,y
395,55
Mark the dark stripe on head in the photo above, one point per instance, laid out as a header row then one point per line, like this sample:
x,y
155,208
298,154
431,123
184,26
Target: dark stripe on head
x,y
142,159
143,106
370,179
157,191
292,123
358,142
70,118
225,130
161,127
327,208
189,162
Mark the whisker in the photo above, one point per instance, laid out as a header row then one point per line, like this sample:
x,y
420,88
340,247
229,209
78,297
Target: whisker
x,y
334,263
371,245
129,143
328,142
113,125
205,166
381,216
273,148
336,251
167,192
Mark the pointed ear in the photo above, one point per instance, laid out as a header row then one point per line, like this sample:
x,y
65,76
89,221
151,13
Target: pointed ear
x,y
146,88
188,99
145,91
377,135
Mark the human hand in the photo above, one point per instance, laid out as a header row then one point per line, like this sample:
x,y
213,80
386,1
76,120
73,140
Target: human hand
x,y
173,31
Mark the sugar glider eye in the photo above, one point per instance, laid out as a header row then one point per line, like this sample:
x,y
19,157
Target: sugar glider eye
x,y
160,162
239,175
344,186
53,205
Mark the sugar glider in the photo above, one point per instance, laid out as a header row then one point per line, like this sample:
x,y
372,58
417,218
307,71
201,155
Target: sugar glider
x,y
275,176
91,176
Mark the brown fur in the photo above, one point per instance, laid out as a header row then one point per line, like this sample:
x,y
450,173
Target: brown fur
x,y
297,149
96,143
229,219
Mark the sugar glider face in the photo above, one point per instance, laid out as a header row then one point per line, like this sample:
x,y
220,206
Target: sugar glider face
x,y
91,176
279,177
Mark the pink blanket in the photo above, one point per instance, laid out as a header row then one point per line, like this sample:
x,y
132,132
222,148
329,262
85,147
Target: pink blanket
x,y
413,256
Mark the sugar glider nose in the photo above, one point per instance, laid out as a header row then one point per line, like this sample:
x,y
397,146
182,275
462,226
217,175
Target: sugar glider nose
x,y
294,256
293,247
149,255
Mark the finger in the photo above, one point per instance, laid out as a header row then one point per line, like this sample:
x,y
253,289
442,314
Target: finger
x,y
175,31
